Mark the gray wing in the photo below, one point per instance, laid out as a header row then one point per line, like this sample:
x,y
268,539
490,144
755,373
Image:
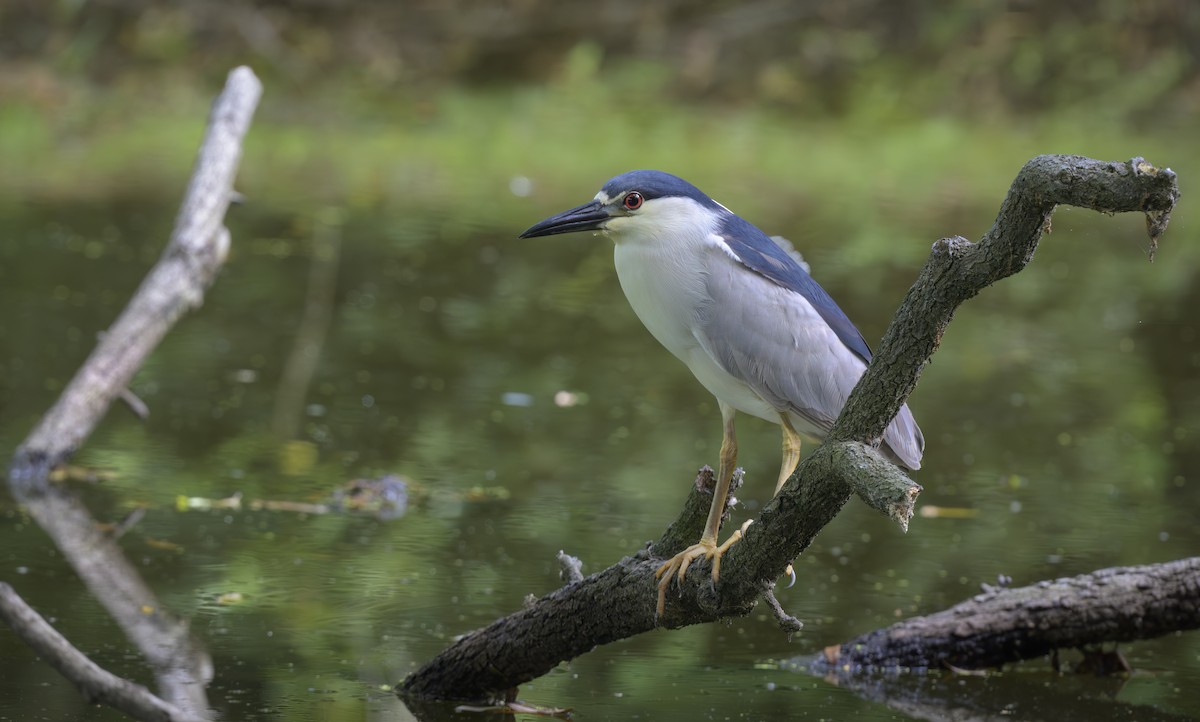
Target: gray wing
x,y
774,341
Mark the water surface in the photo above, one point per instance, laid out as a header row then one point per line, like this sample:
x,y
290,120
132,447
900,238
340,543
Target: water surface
x,y
510,384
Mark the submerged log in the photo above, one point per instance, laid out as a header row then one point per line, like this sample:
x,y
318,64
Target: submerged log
x,y
1121,604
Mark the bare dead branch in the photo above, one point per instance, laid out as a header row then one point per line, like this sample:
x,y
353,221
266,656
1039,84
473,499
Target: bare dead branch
x,y
176,283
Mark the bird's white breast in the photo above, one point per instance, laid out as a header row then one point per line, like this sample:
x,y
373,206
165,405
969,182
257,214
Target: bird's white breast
x,y
662,267
664,296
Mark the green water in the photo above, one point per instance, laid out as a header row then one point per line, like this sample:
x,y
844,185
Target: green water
x,y
511,384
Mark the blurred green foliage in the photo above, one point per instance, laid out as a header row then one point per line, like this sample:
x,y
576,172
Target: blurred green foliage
x,y
906,59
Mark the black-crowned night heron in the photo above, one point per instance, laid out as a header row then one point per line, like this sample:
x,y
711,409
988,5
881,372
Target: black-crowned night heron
x,y
754,328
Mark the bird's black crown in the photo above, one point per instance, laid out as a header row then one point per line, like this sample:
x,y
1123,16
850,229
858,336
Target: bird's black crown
x,y
656,184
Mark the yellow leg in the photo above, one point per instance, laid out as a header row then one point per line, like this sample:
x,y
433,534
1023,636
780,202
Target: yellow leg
x,y
791,457
707,547
791,452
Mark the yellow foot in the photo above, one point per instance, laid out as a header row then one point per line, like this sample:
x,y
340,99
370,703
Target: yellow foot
x,y
677,565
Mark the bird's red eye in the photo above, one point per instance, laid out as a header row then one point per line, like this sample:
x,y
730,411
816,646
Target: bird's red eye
x,y
633,201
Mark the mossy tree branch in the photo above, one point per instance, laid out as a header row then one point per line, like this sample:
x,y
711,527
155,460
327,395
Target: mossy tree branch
x,y
619,602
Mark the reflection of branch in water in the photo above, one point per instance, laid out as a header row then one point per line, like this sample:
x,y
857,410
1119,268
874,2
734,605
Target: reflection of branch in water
x,y
314,326
95,682
176,284
999,697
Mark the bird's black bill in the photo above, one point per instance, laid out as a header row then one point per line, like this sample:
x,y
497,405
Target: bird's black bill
x,y
587,217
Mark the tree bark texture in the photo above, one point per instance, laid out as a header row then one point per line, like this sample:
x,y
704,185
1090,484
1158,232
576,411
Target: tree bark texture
x,y
1006,625
175,284
619,602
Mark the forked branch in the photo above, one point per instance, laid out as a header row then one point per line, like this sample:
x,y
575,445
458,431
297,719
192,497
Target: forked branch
x,y
619,602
